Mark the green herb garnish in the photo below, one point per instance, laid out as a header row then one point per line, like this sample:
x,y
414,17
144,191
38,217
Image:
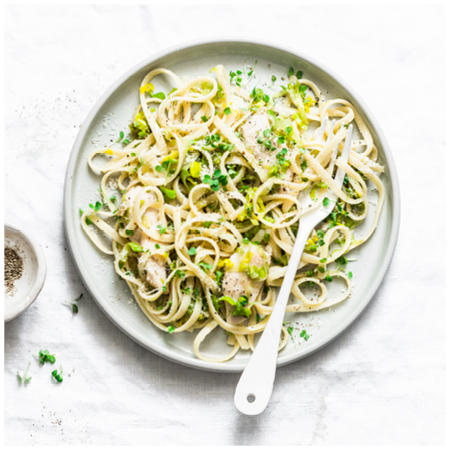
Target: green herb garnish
x,y
97,206
24,378
161,229
44,356
58,376
180,273
205,266
216,181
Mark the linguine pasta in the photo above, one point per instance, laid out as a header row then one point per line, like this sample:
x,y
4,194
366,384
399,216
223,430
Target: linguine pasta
x,y
201,202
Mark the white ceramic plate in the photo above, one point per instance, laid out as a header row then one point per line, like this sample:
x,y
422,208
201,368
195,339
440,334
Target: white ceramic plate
x,y
112,113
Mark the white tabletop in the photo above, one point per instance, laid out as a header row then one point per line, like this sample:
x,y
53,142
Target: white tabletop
x,y
382,382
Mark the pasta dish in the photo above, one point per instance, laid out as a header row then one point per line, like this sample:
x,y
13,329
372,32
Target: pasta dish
x,y
200,201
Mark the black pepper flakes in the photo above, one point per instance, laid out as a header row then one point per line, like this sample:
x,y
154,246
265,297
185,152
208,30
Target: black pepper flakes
x,y
13,268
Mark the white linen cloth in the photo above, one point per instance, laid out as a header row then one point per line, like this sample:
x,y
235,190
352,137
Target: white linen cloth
x,y
382,382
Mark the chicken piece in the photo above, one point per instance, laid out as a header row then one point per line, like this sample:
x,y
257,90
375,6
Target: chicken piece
x,y
155,266
238,283
251,130
254,127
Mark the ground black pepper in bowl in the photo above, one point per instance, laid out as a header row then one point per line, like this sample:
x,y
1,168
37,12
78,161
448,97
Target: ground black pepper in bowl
x,y
13,268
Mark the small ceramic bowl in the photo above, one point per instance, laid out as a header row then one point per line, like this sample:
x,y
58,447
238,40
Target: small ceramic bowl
x,y
27,288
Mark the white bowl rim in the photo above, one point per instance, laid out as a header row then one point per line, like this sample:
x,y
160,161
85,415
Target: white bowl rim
x,y
41,272
172,354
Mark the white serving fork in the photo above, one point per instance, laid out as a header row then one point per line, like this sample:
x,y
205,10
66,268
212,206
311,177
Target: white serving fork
x,y
255,386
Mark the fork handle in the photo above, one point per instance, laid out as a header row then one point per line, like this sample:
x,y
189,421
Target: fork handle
x,y
255,386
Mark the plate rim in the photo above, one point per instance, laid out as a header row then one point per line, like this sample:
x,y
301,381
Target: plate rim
x,y
172,355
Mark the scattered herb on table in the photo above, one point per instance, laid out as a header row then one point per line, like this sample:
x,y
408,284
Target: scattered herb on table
x,y
24,378
58,376
45,356
74,304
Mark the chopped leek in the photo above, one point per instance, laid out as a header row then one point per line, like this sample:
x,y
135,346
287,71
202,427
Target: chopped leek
x,y
245,262
194,169
168,193
130,246
139,128
296,97
240,309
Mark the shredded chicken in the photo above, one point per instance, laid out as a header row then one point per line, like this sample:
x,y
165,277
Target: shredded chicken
x,y
254,127
237,284
155,266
